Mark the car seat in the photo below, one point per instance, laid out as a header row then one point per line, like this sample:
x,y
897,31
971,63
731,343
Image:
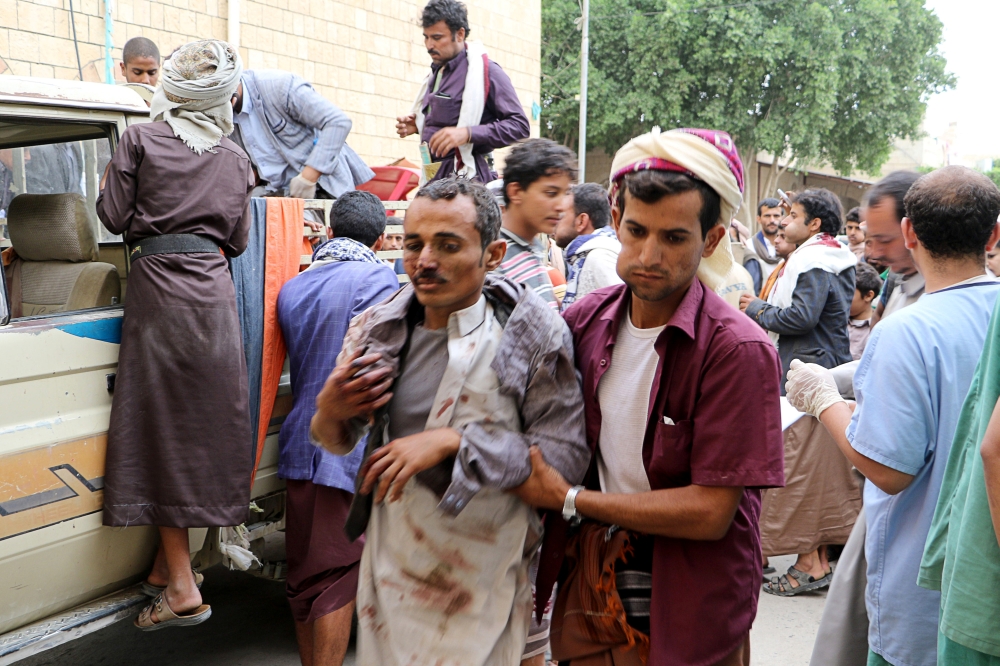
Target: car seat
x,y
56,269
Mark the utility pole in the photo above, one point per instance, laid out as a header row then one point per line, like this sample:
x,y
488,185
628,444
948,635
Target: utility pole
x,y
109,43
584,57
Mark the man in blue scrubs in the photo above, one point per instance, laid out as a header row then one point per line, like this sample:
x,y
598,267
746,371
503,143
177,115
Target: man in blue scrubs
x,y
910,386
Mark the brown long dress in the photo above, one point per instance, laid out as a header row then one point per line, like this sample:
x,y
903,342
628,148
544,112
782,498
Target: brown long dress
x,y
821,498
180,449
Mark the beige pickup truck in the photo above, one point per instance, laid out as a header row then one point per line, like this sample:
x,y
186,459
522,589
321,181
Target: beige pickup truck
x,y
62,574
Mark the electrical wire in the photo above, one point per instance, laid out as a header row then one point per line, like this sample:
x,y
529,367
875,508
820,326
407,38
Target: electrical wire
x,y
76,44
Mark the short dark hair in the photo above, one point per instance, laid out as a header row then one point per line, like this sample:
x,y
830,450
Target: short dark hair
x,y
358,215
649,186
140,47
769,202
953,211
391,219
532,159
487,210
592,199
825,205
867,279
853,215
894,186
451,12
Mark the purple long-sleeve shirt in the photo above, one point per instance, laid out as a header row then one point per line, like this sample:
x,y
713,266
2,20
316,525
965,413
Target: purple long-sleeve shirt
x,y
503,121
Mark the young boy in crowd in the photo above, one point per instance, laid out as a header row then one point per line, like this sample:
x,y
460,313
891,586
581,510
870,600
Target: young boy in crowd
x,y
141,61
855,233
867,286
537,178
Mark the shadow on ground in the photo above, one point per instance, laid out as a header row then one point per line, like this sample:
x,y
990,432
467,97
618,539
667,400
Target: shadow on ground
x,y
251,625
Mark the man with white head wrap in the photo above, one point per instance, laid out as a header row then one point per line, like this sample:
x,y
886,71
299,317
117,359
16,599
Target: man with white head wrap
x,y
179,440
194,99
677,375
718,271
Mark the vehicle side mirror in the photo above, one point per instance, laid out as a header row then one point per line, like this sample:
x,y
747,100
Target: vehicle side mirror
x,y
4,304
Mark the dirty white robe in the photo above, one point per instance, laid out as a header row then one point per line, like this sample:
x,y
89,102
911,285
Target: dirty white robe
x,y
451,591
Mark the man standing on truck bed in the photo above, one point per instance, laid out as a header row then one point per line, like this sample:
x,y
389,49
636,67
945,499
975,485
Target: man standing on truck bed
x,y
296,138
179,440
467,106
314,310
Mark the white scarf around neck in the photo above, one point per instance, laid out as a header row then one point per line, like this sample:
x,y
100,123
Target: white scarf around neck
x,y
473,105
822,251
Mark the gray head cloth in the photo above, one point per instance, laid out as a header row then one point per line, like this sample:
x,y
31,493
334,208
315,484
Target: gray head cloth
x,y
196,85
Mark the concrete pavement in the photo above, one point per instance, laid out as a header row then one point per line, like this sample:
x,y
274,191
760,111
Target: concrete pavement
x,y
785,629
251,626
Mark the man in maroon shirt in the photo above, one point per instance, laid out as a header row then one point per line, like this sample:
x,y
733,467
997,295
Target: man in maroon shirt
x,y
682,413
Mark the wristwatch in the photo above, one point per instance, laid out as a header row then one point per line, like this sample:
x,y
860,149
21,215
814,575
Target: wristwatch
x,y
570,514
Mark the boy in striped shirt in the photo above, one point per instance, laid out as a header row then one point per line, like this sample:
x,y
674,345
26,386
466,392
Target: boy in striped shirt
x,y
537,177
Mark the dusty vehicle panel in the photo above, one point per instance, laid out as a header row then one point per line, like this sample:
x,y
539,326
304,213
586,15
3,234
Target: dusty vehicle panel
x,y
58,364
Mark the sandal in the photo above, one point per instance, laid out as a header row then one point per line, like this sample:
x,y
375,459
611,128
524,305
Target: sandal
x,y
165,617
153,591
780,586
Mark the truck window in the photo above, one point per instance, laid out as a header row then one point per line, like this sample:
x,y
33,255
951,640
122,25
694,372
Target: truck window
x,y
57,256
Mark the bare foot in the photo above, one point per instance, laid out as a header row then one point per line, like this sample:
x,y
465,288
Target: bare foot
x,y
160,574
183,595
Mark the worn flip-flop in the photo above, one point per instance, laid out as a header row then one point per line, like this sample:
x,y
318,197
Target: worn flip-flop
x,y
153,591
165,617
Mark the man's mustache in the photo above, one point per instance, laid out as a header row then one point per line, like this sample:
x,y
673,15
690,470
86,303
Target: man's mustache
x,y
433,52
430,275
636,268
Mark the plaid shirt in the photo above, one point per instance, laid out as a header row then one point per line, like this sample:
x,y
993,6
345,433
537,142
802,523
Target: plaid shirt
x,y
314,310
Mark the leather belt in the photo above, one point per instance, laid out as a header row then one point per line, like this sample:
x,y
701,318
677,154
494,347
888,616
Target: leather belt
x,y
172,244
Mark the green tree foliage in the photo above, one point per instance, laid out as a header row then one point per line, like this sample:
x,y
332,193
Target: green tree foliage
x,y
834,81
994,173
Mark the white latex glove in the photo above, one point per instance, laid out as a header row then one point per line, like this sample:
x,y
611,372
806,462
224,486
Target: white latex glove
x,y
843,374
301,188
811,388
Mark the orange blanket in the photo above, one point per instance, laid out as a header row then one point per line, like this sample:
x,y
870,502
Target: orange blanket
x,y
281,263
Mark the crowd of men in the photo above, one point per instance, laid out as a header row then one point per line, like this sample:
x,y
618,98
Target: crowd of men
x,y
891,365
554,441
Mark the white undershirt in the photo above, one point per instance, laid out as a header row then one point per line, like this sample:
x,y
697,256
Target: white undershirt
x,y
624,393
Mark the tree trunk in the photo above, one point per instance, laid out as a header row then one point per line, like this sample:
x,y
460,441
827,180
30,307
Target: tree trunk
x,y
770,187
747,213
